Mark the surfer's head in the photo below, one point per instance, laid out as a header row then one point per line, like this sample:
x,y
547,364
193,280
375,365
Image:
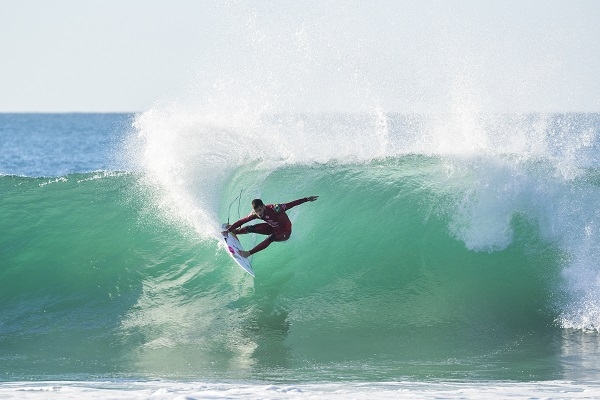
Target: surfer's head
x,y
259,207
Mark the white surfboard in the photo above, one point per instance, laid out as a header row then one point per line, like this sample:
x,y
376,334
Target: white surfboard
x,y
234,246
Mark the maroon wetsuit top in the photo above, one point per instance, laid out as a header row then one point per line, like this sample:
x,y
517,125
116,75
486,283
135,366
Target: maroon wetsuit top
x,y
279,225
274,215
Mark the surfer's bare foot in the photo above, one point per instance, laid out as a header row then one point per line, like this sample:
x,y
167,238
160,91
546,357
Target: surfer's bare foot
x,y
244,253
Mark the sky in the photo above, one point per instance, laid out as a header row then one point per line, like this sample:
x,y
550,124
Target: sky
x,y
311,56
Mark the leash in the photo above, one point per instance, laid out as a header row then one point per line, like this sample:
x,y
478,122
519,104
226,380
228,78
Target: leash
x,y
239,199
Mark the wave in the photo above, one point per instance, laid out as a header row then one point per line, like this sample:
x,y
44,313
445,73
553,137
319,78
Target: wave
x,y
491,168
423,248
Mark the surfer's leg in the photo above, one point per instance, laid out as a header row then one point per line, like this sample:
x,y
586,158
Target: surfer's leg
x,y
262,229
275,237
262,245
281,236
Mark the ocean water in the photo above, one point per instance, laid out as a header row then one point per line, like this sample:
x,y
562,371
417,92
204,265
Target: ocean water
x,y
451,256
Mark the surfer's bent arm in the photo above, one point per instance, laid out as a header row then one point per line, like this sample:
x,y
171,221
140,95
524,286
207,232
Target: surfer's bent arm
x,y
241,222
287,206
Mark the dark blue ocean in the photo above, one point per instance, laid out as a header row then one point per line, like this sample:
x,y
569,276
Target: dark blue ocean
x,y
448,256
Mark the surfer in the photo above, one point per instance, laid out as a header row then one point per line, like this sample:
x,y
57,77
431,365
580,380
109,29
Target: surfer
x,y
277,224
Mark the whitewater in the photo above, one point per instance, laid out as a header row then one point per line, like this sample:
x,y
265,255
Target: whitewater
x,y
451,255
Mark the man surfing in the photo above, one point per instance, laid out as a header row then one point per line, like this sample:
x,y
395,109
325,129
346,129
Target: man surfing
x,y
277,224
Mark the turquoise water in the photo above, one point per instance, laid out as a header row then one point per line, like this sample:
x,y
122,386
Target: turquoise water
x,y
434,252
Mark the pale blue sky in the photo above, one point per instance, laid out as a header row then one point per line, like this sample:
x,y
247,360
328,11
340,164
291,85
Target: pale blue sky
x,y
407,56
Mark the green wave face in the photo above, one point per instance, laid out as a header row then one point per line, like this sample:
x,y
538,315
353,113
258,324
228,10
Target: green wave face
x,y
376,282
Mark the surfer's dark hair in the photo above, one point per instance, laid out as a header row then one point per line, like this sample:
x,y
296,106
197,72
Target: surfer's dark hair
x,y
257,203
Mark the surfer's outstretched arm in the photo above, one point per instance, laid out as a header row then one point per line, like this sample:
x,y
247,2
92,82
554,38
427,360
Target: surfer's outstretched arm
x,y
287,206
